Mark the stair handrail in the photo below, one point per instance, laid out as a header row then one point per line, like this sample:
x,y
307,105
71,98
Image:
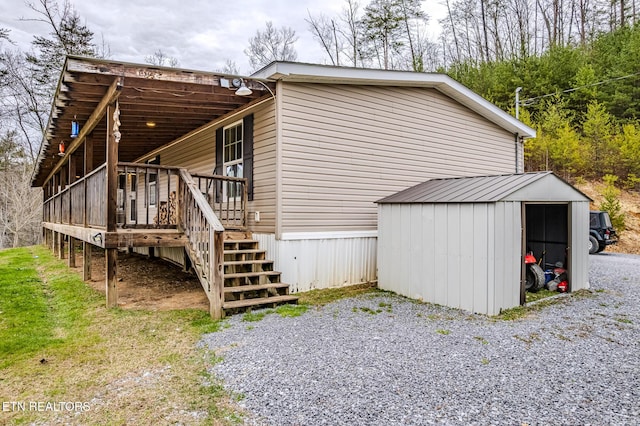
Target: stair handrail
x,y
204,231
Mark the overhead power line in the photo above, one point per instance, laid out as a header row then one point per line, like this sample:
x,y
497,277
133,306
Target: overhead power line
x,y
531,101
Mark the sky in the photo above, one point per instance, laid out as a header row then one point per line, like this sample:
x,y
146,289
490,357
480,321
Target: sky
x,y
200,34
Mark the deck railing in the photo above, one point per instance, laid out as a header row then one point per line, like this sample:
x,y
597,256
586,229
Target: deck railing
x,y
147,198
205,235
227,196
81,203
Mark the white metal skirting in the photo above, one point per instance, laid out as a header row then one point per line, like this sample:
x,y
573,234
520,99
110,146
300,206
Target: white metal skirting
x,y
309,264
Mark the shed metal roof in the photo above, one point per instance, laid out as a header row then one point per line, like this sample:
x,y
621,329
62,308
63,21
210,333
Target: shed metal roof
x,y
475,189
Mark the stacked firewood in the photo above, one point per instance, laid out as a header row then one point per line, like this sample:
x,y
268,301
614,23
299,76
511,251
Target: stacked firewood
x,y
168,212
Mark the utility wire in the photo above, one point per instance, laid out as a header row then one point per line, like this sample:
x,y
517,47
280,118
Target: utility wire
x,y
531,101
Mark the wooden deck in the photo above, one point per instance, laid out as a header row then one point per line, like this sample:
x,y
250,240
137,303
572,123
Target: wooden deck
x,y
160,206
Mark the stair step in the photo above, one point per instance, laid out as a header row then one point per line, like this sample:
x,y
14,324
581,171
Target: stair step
x,y
246,262
258,302
240,241
244,251
241,288
251,274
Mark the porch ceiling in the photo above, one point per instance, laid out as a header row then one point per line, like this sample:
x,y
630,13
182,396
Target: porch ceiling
x,y
176,100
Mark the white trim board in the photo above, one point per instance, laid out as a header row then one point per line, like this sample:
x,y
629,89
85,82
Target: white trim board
x,y
328,235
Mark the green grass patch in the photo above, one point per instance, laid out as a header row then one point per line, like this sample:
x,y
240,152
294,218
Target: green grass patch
x,y
481,340
325,296
38,313
522,311
287,311
129,364
256,316
367,310
540,294
443,332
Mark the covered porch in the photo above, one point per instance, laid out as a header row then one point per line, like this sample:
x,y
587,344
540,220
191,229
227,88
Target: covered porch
x,y
108,116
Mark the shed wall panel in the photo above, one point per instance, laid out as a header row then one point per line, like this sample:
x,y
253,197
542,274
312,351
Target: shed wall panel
x,y
508,258
344,147
443,253
579,236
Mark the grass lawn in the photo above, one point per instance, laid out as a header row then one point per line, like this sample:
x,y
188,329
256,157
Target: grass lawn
x,y
59,344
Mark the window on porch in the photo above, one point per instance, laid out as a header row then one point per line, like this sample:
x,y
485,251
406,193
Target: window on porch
x,y
232,158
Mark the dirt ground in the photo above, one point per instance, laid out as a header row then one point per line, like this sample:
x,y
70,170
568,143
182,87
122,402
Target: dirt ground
x,y
148,283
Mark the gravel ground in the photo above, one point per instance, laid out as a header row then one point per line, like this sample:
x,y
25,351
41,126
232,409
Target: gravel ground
x,y
380,359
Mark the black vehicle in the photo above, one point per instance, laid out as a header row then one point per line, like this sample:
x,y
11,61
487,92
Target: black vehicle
x,y
601,232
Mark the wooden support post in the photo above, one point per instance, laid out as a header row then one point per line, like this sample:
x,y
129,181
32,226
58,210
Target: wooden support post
x,y
111,274
54,243
216,247
88,167
112,172
88,156
86,261
111,255
72,252
186,261
63,178
60,245
72,177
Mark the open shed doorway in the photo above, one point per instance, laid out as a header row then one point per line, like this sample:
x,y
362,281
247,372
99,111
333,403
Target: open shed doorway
x,y
547,235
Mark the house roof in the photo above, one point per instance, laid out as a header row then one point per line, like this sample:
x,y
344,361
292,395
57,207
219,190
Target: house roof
x,y
176,100
312,73
539,186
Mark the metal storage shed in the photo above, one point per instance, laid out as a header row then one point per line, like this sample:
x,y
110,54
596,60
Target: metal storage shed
x,y
460,242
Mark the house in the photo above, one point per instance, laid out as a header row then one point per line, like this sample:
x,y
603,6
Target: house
x,y
189,165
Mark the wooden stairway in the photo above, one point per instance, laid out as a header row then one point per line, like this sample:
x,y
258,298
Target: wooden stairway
x,y
249,278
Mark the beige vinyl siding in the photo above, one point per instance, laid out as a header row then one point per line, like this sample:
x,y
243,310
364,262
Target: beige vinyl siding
x,y
264,170
344,147
197,154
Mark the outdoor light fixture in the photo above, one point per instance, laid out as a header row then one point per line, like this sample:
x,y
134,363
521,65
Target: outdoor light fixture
x,y
75,129
243,90
151,124
61,149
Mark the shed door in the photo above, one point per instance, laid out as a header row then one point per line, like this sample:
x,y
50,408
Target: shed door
x,y
547,234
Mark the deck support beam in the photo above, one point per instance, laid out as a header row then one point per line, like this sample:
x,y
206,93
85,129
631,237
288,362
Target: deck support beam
x,y
72,252
216,248
111,274
86,261
60,245
111,254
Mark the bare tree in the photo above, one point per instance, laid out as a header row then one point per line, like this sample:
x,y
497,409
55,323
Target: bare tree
x,y
352,32
161,59
326,31
270,45
229,67
27,86
20,205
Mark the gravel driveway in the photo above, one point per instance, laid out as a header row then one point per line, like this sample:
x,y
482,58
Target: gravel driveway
x,y
380,359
